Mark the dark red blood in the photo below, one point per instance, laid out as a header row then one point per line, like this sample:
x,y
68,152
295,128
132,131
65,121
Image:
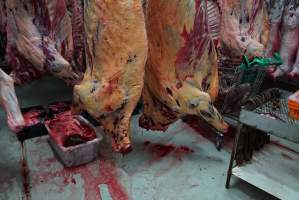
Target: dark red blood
x,y
32,117
25,174
73,181
146,143
160,150
126,150
276,143
65,124
184,149
106,174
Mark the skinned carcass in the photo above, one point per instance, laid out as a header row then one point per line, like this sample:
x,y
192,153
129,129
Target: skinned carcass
x,y
40,40
116,53
244,30
181,76
289,48
244,27
275,10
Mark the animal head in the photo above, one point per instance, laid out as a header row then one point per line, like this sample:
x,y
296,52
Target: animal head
x,y
192,100
99,98
202,106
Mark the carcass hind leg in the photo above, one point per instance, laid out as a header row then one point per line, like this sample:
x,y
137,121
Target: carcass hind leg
x,y
10,103
123,127
295,71
118,124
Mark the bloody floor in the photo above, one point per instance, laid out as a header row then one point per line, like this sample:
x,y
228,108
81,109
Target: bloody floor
x,y
180,164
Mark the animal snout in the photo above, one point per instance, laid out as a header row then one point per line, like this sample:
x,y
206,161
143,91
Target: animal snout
x,y
193,103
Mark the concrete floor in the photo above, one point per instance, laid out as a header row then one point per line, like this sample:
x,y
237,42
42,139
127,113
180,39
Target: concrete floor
x,y
177,165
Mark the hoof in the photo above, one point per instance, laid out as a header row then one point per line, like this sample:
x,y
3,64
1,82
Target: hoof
x,y
123,148
16,127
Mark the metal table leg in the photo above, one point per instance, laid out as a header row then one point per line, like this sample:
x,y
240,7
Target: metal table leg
x,y
233,154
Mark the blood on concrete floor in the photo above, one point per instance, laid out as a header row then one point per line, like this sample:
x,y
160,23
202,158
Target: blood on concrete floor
x,y
136,176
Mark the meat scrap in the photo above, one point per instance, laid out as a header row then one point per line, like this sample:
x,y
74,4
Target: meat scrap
x,y
181,75
65,125
116,50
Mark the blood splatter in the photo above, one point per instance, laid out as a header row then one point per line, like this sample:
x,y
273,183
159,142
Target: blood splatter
x,y
25,174
276,143
162,150
73,181
182,151
106,174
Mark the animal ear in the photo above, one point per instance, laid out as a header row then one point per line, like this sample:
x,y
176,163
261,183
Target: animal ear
x,y
205,96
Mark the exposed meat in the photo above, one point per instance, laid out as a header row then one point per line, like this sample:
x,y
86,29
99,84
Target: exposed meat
x,y
33,117
66,125
244,27
181,73
39,40
78,35
116,53
144,5
290,40
275,10
213,14
295,71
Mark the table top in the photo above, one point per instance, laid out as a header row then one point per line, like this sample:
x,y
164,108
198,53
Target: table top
x,y
276,122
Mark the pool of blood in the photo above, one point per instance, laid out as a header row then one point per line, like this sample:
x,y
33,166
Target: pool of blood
x,y
66,125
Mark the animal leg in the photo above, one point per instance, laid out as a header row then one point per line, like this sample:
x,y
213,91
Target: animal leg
x,y
295,71
10,103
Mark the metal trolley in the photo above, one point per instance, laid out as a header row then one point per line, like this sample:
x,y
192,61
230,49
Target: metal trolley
x,y
250,73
